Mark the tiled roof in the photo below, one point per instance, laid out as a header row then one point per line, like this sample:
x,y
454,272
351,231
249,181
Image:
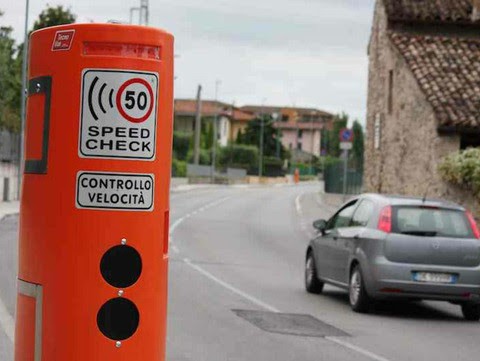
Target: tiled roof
x,y
258,109
448,72
445,11
188,107
299,125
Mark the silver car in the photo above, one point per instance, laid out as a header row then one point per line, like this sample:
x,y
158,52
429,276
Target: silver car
x,y
381,247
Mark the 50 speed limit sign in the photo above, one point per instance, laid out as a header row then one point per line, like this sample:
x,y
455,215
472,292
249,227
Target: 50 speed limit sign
x,y
118,114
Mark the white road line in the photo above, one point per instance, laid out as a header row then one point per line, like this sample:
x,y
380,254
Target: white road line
x,y
298,206
7,322
230,287
357,349
255,300
276,310
175,224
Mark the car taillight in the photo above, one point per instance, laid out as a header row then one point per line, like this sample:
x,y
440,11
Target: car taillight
x,y
385,220
473,225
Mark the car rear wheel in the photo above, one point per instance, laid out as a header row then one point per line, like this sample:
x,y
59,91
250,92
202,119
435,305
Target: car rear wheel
x,y
359,299
471,312
312,283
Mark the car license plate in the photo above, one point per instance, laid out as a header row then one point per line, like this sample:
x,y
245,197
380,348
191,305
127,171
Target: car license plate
x,y
432,277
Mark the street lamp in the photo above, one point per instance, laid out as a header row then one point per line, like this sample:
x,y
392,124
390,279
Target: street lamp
x,y
275,117
24,89
215,136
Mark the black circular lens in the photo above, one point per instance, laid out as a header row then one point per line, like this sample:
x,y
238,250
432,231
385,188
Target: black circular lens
x,y
121,266
118,319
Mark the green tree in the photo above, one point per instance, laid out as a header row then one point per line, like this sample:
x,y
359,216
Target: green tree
x,y
52,16
239,139
333,148
358,144
11,57
9,81
251,136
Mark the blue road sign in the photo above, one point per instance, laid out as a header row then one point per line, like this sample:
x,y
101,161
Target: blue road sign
x,y
346,135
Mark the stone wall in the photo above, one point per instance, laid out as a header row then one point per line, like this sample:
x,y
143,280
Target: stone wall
x,y
410,146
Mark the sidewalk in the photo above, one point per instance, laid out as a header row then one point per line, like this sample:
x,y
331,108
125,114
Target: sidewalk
x,y
9,208
331,201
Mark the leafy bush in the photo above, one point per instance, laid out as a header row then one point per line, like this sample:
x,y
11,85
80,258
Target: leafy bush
x,y
463,169
179,168
205,157
238,156
181,145
273,167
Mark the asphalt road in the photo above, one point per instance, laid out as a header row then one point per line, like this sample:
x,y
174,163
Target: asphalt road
x,y
242,250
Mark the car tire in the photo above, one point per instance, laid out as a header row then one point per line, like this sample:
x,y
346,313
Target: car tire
x,y
312,283
471,312
357,294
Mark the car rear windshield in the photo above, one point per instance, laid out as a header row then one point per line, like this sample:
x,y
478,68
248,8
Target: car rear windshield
x,y
431,222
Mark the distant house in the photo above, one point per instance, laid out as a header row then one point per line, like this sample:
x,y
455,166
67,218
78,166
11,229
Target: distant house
x,y
424,94
301,128
230,118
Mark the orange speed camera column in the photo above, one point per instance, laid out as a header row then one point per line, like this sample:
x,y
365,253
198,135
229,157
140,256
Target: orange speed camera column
x,y
95,200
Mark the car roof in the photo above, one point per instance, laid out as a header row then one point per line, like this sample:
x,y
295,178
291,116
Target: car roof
x,y
399,200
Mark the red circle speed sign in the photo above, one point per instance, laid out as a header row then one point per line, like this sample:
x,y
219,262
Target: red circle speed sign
x,y
135,100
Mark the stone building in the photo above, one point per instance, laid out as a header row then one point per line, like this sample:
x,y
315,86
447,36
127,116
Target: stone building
x,y
424,95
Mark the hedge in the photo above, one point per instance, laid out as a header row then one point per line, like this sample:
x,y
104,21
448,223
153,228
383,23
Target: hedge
x,y
238,156
179,168
463,169
181,144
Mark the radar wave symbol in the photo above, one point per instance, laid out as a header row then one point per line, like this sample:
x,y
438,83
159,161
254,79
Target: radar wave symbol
x,y
99,98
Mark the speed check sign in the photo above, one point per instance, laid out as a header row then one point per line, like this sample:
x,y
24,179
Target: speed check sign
x,y
118,114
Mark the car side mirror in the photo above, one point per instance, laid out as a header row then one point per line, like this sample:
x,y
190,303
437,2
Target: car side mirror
x,y
320,225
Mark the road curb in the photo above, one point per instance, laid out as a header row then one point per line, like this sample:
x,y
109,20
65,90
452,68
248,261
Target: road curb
x,y
9,209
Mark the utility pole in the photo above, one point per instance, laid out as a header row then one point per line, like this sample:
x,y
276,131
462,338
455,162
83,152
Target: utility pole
x,y
143,13
312,140
260,156
144,9
215,136
345,174
21,154
198,127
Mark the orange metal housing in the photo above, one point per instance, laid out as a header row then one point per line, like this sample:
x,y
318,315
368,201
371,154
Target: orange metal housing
x,y
61,287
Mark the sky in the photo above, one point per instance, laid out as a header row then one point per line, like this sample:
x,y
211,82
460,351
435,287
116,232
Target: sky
x,y
310,53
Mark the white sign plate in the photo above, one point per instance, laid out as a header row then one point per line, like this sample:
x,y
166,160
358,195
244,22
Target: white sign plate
x,y
346,145
118,115
120,191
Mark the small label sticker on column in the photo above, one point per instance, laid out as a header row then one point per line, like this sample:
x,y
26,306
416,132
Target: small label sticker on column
x,y
63,40
115,191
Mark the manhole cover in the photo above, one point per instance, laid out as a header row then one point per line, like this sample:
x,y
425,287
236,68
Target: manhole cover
x,y
289,323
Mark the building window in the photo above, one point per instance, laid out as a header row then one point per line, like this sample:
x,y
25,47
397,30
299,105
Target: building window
x,y
290,146
299,146
469,140
284,118
300,134
390,92
377,131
